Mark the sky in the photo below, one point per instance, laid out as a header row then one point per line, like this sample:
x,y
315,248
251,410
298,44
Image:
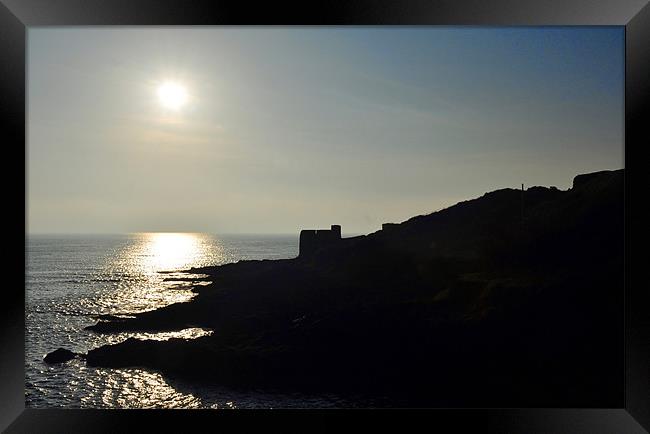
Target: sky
x,y
295,128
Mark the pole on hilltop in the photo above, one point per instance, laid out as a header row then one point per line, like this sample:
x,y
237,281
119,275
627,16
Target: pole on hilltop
x,y
522,205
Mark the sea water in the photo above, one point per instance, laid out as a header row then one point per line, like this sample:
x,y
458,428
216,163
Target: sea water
x,y
71,279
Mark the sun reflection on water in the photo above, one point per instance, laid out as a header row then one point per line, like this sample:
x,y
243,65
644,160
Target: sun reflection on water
x,y
136,271
137,388
155,258
170,251
188,333
74,282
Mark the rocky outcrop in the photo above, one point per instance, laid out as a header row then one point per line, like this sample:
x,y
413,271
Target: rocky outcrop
x,y
598,177
60,355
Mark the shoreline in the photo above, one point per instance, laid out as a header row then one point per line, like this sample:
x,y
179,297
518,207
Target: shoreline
x,y
485,311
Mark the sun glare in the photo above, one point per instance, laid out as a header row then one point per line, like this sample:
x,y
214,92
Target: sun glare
x,y
169,251
172,95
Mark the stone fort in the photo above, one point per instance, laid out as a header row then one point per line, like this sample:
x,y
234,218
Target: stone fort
x,y
314,239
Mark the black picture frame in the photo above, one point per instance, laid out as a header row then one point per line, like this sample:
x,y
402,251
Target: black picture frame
x,y
17,16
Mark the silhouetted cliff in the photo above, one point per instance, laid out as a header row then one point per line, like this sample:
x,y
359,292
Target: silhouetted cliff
x,y
480,304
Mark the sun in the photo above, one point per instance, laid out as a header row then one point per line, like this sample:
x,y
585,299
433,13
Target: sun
x,y
172,95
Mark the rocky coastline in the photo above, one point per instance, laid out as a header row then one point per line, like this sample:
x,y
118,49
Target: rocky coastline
x,y
510,299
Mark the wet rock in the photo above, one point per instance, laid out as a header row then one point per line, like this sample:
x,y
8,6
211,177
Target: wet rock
x,y
60,355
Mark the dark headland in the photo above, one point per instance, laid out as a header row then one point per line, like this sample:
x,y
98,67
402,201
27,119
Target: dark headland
x,y
511,299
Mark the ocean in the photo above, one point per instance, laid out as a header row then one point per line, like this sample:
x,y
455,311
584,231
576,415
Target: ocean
x,y
72,279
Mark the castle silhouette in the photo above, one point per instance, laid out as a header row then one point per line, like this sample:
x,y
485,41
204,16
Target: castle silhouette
x,y
314,239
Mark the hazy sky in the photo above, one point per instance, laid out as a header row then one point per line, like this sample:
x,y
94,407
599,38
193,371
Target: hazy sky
x,y
291,128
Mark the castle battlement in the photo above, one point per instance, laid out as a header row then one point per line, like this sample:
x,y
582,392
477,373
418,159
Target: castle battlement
x,y
312,240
